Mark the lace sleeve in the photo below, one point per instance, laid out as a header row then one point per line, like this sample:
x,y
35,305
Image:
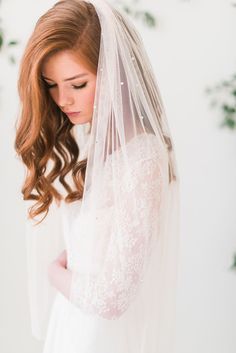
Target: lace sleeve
x,y
109,293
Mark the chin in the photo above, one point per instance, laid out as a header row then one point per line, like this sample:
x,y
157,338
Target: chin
x,y
79,121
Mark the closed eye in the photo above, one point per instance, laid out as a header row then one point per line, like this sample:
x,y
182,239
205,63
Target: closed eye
x,y
74,86
81,86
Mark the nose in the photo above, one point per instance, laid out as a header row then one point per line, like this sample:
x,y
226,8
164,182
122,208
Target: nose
x,y
64,98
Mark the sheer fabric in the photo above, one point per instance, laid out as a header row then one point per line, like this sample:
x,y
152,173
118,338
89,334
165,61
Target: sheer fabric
x,y
116,281
122,236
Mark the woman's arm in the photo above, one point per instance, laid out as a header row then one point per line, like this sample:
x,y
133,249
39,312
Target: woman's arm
x,y
109,292
59,276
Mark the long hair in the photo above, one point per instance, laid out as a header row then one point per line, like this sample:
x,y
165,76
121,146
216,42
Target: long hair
x,y
44,132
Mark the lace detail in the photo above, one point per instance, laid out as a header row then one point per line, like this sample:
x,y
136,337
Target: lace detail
x,y
109,292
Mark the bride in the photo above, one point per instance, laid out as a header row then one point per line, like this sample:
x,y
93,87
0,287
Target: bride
x,y
103,222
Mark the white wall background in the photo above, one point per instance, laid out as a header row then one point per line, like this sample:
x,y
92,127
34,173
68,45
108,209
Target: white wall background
x,y
192,47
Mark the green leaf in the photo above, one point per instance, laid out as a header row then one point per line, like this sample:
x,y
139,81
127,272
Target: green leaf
x,y
227,109
1,40
149,19
230,122
233,266
12,59
226,83
12,42
127,9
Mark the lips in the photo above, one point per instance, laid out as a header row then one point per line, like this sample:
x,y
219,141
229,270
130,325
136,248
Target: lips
x,y
72,113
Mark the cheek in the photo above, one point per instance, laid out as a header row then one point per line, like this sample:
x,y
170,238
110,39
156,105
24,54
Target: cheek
x,y
89,99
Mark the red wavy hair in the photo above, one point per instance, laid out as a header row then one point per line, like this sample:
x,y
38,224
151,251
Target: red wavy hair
x,y
44,133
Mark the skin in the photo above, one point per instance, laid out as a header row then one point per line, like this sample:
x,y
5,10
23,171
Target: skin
x,y
57,68
59,276
75,95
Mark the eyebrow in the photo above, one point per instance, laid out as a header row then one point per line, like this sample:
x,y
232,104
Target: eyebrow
x,y
68,79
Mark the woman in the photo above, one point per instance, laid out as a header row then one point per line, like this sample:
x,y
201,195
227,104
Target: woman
x,y
114,280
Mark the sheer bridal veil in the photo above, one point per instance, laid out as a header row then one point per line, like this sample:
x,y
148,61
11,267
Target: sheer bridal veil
x,y
124,236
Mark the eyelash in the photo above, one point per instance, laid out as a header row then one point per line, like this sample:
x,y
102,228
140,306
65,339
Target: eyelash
x,y
75,87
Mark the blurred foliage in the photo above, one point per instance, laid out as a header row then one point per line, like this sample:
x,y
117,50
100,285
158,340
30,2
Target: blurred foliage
x,y
224,98
131,7
6,44
233,267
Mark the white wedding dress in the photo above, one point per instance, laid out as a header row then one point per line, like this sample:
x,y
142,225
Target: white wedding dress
x,y
72,330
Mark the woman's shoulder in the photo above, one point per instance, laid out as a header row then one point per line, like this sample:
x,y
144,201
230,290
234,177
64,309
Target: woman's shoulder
x,y
145,146
142,146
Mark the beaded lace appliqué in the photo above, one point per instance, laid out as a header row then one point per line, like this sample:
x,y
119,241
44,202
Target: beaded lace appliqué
x,y
110,292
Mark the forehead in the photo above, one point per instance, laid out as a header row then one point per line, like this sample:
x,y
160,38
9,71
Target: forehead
x,y
63,62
